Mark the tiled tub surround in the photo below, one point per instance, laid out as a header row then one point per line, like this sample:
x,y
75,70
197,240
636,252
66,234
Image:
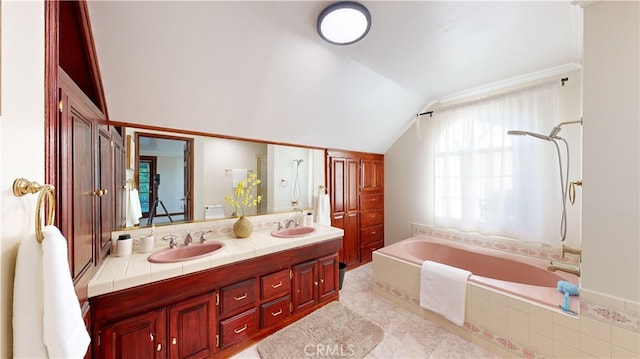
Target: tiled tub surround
x,y
117,273
512,326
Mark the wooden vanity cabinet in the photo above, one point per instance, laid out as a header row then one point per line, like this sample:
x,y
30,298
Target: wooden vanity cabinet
x,y
141,336
314,282
218,311
183,330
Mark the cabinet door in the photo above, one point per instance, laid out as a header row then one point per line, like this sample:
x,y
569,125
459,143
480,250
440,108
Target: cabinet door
x,y
372,176
345,206
120,180
192,328
328,275
142,336
106,193
305,285
77,174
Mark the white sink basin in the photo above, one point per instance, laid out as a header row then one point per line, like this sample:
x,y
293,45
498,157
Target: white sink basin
x,y
293,232
185,253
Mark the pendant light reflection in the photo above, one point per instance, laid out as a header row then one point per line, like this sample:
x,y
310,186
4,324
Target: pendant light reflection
x,y
344,23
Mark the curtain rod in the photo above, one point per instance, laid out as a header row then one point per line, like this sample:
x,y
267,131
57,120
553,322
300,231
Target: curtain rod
x,y
496,95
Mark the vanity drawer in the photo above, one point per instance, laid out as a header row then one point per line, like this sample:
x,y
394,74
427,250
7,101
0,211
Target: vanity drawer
x,y
371,218
275,285
275,311
237,297
237,328
371,234
366,251
371,201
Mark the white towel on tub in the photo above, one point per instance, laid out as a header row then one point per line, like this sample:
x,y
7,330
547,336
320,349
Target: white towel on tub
x,y
443,289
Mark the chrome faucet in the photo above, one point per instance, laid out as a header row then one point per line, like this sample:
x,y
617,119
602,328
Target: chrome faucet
x,y
563,268
289,222
203,237
173,243
188,239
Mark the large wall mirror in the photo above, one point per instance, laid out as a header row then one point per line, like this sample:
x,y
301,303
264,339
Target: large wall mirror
x,y
181,178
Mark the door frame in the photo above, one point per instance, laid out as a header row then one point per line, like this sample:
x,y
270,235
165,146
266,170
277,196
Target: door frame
x,y
188,208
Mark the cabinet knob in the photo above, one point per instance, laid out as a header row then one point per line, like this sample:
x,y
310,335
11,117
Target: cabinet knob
x,y
322,280
174,341
159,347
315,283
100,193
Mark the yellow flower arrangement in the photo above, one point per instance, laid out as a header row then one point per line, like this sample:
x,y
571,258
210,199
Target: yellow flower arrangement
x,y
243,194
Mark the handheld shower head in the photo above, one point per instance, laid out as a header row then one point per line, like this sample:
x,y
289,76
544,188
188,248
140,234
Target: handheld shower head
x,y
527,133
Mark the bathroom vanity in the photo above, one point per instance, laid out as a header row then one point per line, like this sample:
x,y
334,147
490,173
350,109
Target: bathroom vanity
x,y
215,306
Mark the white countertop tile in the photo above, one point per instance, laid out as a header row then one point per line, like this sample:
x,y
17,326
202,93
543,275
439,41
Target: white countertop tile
x,y
117,273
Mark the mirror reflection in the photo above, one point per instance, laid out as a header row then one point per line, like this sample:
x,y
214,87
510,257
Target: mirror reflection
x,y
179,178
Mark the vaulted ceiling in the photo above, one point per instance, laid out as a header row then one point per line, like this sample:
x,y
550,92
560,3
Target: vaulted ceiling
x,y
259,70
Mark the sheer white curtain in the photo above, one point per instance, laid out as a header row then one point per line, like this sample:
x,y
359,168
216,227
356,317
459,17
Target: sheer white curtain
x,y
489,182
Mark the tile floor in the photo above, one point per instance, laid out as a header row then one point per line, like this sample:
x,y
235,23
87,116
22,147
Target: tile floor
x,y
406,334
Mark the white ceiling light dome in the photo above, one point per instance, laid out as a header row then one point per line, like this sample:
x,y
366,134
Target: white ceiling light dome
x,y
344,23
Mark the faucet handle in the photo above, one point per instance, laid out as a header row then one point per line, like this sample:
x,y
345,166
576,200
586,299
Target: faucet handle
x,y
188,239
279,224
203,237
173,242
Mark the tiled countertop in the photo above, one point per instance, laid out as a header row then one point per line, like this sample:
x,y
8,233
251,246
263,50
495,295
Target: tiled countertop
x,y
117,273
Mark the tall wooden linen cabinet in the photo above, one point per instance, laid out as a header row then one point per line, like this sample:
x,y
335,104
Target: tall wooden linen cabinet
x,y
355,183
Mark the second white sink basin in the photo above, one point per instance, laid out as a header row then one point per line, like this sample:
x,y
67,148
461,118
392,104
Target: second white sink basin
x,y
293,232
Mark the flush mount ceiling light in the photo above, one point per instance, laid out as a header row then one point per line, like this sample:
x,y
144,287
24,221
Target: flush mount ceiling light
x,y
344,23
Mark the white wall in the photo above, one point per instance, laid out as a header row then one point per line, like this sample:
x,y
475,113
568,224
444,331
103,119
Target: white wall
x,y
282,172
216,183
409,175
611,214
21,138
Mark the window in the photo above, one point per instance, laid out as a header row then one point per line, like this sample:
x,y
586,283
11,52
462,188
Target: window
x,y
488,182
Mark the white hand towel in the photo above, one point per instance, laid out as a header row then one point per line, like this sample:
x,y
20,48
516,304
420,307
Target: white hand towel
x,y
64,331
443,289
134,211
28,303
238,174
323,212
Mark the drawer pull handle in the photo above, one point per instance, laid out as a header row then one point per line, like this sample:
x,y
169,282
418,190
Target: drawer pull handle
x,y
276,313
240,297
159,347
174,341
238,331
373,232
374,199
274,286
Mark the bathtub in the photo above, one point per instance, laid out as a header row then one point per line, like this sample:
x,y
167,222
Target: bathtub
x,y
519,276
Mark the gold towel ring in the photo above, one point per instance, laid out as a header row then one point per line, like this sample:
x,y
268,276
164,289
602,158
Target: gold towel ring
x,y
22,186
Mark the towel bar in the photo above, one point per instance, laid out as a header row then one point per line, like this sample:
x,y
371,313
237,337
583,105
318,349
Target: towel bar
x,y
23,186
